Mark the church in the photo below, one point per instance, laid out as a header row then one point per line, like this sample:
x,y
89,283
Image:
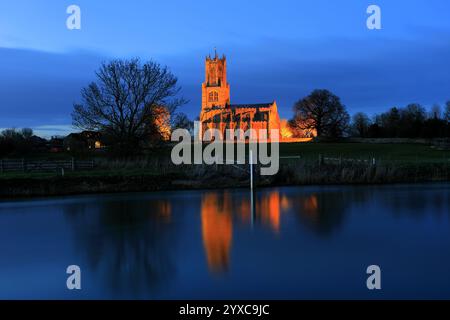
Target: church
x,y
219,113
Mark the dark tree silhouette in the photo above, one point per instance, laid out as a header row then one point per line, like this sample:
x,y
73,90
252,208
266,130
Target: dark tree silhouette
x,y
360,124
26,133
14,142
122,103
436,112
412,121
181,121
447,111
321,111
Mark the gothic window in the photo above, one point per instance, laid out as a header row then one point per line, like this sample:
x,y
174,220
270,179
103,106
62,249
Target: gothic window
x,y
213,75
261,116
213,96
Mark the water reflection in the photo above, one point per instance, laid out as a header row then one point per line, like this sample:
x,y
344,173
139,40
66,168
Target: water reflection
x,y
268,209
217,229
129,243
219,209
321,212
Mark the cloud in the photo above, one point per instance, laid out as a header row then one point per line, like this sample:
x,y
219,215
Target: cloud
x,y
47,131
370,74
39,88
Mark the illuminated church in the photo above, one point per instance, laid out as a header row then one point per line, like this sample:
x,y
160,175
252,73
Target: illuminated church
x,y
218,112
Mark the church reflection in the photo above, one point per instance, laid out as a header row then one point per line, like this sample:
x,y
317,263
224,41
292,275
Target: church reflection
x,y
131,243
217,229
221,210
270,207
144,245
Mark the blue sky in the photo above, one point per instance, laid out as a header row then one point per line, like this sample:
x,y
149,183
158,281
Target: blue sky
x,y
277,50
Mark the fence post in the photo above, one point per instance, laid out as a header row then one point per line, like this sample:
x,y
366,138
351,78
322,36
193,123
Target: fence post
x,y
320,159
73,164
250,160
1,165
23,165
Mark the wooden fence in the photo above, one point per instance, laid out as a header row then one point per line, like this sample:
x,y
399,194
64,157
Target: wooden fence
x,y
341,160
27,165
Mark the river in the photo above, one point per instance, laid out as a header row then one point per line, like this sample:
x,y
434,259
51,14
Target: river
x,y
312,242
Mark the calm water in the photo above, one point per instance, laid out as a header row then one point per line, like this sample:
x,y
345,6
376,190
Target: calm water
x,y
299,242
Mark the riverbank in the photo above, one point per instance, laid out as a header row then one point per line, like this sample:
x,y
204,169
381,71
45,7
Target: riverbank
x,y
300,164
216,177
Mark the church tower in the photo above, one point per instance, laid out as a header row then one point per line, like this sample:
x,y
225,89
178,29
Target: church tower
x,y
215,89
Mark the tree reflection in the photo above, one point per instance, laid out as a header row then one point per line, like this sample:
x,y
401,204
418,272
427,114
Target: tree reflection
x,y
130,242
323,212
127,242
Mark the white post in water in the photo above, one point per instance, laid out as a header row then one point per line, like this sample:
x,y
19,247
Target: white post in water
x,y
252,211
250,161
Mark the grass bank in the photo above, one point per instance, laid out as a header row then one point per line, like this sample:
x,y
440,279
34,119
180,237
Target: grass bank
x,y
300,164
213,177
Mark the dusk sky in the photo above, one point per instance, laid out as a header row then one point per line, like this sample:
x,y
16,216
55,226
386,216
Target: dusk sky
x,y
276,50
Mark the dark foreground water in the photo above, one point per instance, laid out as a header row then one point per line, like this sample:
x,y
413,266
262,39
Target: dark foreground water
x,y
297,242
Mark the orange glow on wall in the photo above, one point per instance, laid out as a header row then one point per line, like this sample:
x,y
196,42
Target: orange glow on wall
x,y
217,112
162,122
286,131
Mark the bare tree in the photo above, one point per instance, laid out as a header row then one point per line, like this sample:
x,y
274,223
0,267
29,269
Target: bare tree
x,y
323,112
360,124
435,112
181,121
124,101
447,111
26,133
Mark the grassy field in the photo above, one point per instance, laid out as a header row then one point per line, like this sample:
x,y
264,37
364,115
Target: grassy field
x,y
159,162
341,164
79,174
404,153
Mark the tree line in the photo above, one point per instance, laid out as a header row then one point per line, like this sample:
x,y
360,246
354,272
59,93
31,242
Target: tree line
x,y
133,105
323,113
411,121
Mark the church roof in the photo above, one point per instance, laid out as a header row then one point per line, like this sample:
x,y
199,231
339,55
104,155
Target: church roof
x,y
255,105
